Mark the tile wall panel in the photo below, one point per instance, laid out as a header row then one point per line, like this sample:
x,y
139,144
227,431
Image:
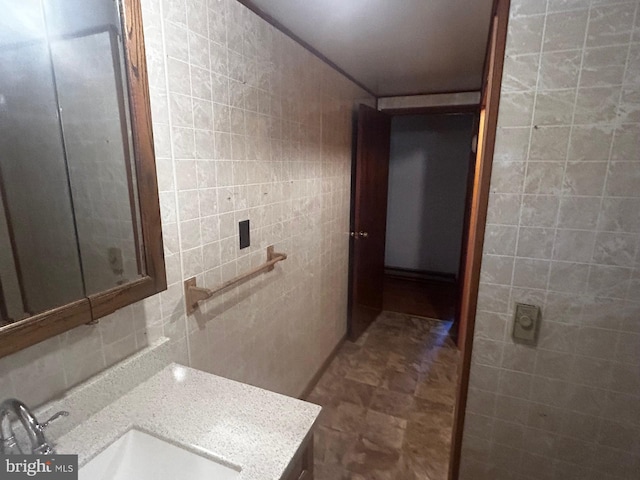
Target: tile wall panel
x,y
247,125
562,233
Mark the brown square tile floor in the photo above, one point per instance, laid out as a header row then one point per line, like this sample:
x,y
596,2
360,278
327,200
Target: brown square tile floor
x,y
388,403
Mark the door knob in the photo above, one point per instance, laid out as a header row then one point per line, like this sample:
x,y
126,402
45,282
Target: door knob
x,y
363,234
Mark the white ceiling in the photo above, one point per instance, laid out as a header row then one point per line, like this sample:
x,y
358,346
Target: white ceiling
x,y
393,47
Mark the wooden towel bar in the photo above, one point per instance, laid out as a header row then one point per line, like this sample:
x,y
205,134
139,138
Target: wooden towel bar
x,y
194,294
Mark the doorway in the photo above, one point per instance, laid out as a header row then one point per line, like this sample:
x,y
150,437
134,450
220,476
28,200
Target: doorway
x,y
389,395
413,182
367,275
430,159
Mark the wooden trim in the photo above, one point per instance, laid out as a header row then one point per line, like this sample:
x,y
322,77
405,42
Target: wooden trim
x,y
323,368
478,217
53,322
142,137
275,23
464,251
104,303
19,335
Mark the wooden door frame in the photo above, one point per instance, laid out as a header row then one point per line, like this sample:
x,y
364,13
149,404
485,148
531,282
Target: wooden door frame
x,y
469,109
477,222
464,247
464,109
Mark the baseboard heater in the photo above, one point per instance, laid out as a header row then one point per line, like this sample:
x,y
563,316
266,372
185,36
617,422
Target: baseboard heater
x,y
419,275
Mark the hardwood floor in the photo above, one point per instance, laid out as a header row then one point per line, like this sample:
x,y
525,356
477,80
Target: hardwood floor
x,y
424,298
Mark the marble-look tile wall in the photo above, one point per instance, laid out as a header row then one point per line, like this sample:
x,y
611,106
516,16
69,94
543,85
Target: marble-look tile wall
x,y
247,125
563,232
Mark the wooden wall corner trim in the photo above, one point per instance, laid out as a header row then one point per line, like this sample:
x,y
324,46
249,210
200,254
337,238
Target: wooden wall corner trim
x,y
486,144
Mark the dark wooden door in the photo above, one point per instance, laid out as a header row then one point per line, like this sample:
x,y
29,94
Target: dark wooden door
x,y
369,219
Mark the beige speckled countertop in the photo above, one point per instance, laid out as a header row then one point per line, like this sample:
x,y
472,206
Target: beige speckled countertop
x,y
244,426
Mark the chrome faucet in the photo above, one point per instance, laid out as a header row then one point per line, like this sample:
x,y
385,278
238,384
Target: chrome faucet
x,y
35,430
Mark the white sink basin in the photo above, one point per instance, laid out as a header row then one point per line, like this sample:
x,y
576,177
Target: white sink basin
x,y
140,456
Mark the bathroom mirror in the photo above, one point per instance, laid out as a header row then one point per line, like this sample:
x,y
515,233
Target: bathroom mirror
x,y
79,216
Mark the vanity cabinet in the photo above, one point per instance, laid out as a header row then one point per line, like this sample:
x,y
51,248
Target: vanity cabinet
x,y
302,462
260,434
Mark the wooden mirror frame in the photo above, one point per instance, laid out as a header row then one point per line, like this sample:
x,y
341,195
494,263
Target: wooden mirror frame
x,y
35,329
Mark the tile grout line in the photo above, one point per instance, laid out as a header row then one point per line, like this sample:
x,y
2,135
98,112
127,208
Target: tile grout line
x,y
165,58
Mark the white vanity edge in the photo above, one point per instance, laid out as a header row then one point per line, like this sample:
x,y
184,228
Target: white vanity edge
x,y
240,425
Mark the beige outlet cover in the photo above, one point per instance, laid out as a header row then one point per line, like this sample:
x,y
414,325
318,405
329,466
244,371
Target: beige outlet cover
x,y
526,324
